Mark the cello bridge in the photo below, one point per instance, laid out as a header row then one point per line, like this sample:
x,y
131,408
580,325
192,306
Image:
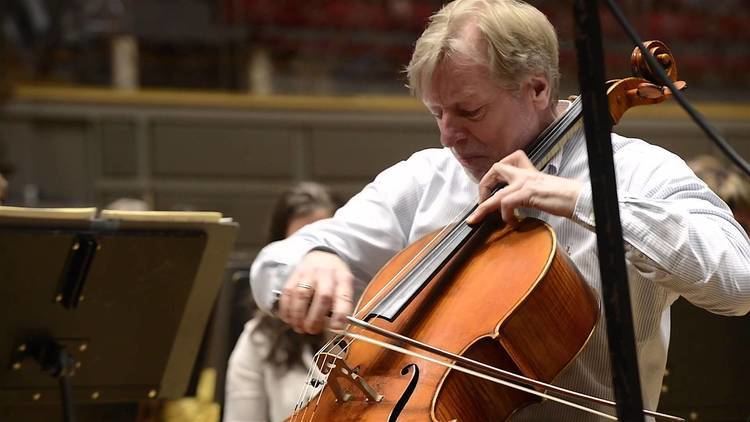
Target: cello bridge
x,y
338,369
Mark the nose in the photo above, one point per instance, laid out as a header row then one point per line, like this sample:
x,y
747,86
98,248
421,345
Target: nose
x,y
451,130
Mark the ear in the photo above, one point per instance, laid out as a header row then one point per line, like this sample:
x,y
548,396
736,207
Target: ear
x,y
539,91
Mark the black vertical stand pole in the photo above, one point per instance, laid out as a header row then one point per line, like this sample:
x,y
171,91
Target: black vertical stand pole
x,y
66,394
598,127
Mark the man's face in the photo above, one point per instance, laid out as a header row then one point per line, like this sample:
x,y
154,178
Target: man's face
x,y
480,121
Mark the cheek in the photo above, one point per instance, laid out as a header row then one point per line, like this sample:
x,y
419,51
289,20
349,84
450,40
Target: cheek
x,y
489,134
510,135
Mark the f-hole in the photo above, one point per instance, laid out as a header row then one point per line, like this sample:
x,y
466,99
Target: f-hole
x,y
399,407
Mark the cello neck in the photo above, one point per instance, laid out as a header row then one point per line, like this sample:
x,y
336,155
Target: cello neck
x,y
555,136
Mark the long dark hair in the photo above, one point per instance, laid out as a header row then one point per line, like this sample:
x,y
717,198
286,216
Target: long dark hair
x,y
298,201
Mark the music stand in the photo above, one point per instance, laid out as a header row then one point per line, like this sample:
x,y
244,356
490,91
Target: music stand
x,y
127,301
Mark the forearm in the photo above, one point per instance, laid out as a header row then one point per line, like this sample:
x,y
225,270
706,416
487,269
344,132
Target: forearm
x,y
272,267
690,246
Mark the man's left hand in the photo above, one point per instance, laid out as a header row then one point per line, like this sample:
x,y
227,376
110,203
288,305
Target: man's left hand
x,y
526,187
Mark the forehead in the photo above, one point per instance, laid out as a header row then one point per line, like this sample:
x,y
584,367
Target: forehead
x,y
457,80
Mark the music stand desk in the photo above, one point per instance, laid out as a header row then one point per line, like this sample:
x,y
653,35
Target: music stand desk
x,y
128,297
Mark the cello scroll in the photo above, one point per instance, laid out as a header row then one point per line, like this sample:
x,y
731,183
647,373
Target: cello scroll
x,y
643,87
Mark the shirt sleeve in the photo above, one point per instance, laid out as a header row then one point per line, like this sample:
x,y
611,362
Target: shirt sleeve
x,y
677,232
366,232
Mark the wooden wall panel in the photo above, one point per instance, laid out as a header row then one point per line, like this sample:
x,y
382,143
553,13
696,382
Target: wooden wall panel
x,y
209,149
16,136
61,160
118,149
362,153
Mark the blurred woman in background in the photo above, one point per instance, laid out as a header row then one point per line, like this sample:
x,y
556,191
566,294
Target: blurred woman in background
x,y
270,362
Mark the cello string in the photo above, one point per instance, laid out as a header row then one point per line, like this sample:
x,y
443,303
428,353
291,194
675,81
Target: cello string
x,y
335,342
317,401
308,385
301,399
325,353
468,371
306,393
412,263
330,371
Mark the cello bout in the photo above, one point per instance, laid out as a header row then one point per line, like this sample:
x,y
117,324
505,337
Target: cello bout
x,y
541,334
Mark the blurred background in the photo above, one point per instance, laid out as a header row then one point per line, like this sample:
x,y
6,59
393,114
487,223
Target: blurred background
x,y
328,47
221,104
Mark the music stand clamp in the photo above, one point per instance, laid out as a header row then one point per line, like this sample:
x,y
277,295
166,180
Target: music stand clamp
x,y
54,359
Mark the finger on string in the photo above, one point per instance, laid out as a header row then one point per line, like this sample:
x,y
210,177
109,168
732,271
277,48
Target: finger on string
x,y
321,304
510,204
499,173
491,204
343,300
492,178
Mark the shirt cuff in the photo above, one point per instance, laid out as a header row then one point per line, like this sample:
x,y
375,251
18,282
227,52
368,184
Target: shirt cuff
x,y
583,213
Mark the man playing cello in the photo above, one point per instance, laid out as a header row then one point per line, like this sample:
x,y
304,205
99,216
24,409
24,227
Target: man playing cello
x,y
488,72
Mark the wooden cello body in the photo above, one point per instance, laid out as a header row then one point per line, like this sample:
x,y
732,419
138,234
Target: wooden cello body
x,y
517,292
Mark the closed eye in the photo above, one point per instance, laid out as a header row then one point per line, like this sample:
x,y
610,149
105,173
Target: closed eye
x,y
472,114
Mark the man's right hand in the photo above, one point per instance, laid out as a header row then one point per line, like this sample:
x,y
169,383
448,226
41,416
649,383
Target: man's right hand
x,y
320,285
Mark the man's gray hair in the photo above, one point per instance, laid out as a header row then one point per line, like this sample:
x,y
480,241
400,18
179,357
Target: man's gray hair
x,y
519,41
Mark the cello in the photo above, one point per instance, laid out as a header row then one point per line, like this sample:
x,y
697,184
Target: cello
x,y
407,355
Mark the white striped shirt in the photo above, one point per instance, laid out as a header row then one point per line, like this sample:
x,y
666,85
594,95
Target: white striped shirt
x,y
680,239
